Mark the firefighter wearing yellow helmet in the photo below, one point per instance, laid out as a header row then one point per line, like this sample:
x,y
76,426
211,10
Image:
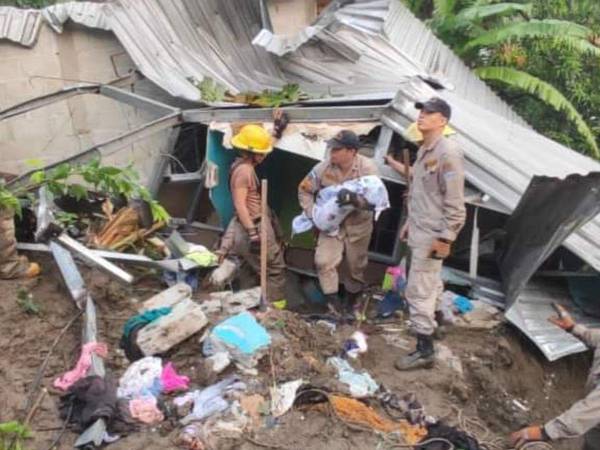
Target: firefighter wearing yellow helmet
x,y
242,238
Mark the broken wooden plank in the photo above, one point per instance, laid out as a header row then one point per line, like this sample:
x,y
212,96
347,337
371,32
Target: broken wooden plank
x,y
185,320
168,297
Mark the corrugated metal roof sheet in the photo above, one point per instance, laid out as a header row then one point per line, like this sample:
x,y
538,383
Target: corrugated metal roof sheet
x,y
20,25
531,316
176,42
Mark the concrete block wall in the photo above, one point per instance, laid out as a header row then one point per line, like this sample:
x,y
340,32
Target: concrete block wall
x,y
66,127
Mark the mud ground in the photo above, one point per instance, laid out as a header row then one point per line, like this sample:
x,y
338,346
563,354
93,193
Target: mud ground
x,y
499,367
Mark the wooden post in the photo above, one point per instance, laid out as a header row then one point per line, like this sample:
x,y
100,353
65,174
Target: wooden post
x,y
264,216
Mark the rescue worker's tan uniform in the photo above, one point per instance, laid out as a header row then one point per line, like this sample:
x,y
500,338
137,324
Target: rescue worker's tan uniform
x,y
436,209
11,264
583,418
236,240
354,236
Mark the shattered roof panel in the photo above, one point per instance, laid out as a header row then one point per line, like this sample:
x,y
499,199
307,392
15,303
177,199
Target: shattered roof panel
x,y
20,25
93,15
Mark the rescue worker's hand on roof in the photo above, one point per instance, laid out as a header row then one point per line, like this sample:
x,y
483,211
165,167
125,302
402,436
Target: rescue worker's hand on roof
x,y
440,249
563,319
530,434
280,122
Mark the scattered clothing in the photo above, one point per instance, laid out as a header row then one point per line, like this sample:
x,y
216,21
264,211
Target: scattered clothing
x,y
189,277
83,365
458,438
171,381
129,344
328,214
142,378
390,303
452,304
395,278
89,399
203,257
356,412
359,384
355,345
144,319
145,410
283,396
405,407
210,400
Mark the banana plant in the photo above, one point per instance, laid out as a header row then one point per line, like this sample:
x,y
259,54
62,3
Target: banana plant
x,y
491,37
545,92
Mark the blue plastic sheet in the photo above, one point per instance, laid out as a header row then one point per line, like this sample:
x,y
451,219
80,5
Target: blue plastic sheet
x,y
242,332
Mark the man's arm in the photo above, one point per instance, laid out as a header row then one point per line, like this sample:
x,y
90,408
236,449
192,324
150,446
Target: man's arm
x,y
307,189
590,337
578,420
452,178
398,166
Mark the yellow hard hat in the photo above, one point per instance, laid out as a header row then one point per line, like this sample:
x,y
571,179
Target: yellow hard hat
x,y
413,134
253,138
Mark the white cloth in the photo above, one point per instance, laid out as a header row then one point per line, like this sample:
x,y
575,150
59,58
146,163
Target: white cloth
x,y
209,400
142,378
327,215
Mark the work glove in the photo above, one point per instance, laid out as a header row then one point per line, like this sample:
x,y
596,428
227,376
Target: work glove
x,y
347,197
254,240
440,249
563,319
530,434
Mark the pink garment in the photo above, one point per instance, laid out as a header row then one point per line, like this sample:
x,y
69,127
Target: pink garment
x,y
145,410
171,381
85,361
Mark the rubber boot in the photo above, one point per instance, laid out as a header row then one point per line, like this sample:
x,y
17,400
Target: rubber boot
x,y
334,304
354,305
422,358
441,330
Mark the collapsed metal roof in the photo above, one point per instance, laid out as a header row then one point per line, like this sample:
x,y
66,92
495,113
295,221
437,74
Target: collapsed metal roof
x,y
355,49
365,49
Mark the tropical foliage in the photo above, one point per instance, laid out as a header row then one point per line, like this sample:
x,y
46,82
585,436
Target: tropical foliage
x,y
542,56
12,435
75,179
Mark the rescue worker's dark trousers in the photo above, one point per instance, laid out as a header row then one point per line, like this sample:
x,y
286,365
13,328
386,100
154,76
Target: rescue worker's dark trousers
x,y
237,242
